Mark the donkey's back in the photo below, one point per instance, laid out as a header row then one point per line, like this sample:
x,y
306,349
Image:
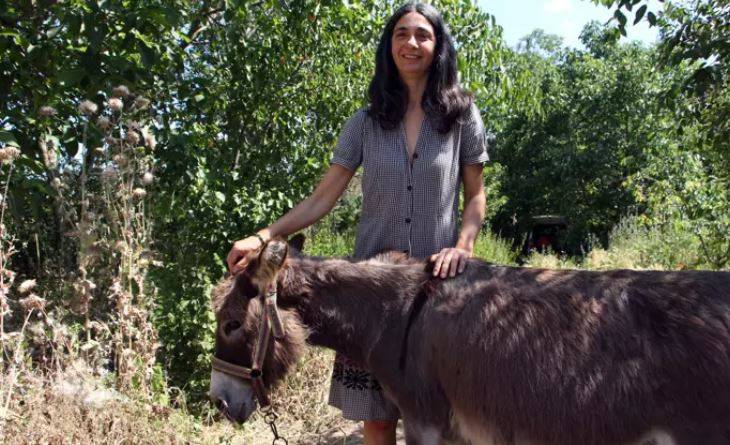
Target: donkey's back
x,y
576,357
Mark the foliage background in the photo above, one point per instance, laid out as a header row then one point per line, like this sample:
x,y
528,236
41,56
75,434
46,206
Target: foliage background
x,y
629,142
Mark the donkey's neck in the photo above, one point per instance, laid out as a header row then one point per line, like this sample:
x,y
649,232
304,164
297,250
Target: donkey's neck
x,y
349,306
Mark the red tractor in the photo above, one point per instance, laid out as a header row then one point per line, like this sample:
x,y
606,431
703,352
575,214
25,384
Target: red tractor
x,y
545,234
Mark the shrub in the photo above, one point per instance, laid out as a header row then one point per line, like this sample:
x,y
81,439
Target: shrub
x,y
636,243
493,248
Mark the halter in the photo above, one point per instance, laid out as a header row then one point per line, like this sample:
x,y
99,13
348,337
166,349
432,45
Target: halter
x,y
270,324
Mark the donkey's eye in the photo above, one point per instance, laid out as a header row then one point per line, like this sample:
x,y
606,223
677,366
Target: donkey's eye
x,y
231,326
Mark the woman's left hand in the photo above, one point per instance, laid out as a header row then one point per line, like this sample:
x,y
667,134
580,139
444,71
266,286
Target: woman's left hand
x,y
450,261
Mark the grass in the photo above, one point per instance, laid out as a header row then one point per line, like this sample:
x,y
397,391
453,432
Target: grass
x,y
492,248
78,407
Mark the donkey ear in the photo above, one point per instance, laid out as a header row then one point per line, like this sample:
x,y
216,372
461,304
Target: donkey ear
x,y
274,253
297,242
269,261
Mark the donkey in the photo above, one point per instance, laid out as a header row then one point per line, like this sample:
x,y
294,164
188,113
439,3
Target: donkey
x,y
497,355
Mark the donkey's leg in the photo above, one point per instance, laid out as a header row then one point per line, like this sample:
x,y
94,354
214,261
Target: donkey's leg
x,y
420,434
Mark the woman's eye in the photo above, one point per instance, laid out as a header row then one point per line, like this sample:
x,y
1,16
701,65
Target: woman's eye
x,y
231,326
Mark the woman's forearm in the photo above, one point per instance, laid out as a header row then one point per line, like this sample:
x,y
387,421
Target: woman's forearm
x,y
471,221
475,206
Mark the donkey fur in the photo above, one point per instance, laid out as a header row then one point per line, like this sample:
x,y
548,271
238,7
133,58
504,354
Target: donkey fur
x,y
549,357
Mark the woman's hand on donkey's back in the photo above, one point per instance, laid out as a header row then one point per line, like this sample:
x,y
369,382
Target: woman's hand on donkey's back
x,y
449,261
238,256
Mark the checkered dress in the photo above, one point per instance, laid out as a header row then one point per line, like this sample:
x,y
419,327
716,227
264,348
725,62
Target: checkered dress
x,y
411,206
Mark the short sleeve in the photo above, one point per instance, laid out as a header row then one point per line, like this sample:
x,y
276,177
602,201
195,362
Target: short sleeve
x,y
348,152
473,149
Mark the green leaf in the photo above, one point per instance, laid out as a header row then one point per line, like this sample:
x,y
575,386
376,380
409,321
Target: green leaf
x,y
651,18
640,14
71,76
148,55
7,138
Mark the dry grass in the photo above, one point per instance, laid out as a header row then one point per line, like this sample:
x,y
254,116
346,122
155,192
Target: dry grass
x,y
78,407
301,402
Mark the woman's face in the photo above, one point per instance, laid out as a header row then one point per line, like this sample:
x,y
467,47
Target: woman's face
x,y
412,45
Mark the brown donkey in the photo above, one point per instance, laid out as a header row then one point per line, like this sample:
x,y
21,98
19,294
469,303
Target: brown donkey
x,y
496,355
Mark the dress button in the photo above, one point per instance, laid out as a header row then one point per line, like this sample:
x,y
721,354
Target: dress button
x,y
408,220
409,188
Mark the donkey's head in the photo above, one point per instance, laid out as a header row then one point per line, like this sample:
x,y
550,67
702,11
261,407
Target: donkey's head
x,y
240,312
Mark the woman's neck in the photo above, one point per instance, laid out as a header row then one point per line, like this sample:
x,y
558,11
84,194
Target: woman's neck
x,y
416,86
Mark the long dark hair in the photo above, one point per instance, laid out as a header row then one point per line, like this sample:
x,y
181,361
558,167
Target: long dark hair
x,y
443,101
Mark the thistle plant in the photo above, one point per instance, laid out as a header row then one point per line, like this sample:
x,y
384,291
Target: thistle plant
x,y
115,235
8,155
100,198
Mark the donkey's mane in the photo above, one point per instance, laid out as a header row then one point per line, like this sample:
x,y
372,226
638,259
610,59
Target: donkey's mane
x,y
324,269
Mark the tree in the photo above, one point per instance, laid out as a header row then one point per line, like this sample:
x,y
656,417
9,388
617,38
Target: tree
x,y
599,113
695,34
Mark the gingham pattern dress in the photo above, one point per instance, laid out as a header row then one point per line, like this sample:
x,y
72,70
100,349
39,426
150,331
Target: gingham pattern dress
x,y
408,205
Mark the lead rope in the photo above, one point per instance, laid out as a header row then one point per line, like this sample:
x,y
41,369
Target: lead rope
x,y
270,417
273,322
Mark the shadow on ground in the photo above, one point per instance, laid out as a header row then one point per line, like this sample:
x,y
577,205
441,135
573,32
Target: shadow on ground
x,y
353,436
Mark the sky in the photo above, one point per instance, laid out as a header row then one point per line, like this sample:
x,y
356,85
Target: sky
x,y
565,18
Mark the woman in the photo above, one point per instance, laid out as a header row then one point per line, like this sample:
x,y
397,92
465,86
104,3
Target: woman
x,y
418,141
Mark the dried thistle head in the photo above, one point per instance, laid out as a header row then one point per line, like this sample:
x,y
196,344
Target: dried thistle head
x,y
56,183
88,108
26,286
141,103
115,104
139,193
120,91
132,137
4,308
120,159
32,302
7,274
47,111
109,173
8,154
104,123
99,151
148,178
84,294
149,139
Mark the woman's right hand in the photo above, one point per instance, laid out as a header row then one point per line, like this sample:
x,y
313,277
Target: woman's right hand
x,y
238,256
